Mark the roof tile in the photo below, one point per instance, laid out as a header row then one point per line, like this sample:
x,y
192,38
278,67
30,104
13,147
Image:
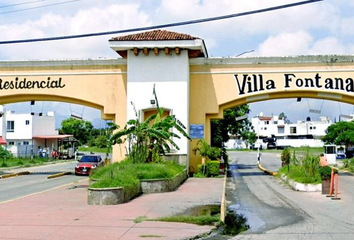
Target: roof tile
x,y
156,35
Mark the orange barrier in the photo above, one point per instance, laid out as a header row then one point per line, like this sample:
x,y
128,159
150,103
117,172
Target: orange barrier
x,y
336,188
334,180
332,184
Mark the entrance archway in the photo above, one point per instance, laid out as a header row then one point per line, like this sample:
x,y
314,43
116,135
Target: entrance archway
x,y
219,84
100,84
195,87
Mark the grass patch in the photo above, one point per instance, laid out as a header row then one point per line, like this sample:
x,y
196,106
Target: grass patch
x,y
199,220
140,219
125,171
24,162
150,236
296,173
300,151
128,175
200,215
93,149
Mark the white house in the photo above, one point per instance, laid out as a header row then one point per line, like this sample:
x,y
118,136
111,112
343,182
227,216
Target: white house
x,y
25,134
301,133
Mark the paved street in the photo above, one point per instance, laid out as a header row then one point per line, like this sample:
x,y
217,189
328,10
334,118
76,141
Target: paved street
x,y
275,211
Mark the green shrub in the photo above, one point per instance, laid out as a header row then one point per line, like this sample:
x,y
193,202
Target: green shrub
x,y
214,153
285,156
101,141
326,172
211,169
234,223
349,164
310,164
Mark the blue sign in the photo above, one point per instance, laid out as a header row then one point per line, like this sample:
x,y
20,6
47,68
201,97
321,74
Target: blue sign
x,y
196,131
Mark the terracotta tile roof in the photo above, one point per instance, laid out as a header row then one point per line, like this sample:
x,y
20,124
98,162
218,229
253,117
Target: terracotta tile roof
x,y
156,35
265,118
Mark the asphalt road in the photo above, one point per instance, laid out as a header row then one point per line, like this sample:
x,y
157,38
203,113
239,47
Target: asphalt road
x,y
275,211
17,187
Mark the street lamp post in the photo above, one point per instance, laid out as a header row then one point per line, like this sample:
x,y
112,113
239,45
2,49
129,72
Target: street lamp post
x,y
249,51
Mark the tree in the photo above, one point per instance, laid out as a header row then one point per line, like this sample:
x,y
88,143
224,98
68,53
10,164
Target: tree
x,y
340,133
148,139
223,128
79,128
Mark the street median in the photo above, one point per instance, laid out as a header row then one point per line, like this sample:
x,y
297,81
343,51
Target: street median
x,y
14,174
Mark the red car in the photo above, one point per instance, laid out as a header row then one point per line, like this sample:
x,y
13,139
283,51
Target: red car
x,y
88,162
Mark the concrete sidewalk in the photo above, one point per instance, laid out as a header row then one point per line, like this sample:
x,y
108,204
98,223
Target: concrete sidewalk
x,y
63,214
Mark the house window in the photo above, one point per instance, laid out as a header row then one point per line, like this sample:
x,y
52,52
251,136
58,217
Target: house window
x,y
25,142
292,129
280,130
10,126
27,122
11,143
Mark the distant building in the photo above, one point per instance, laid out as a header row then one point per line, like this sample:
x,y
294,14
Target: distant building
x,y
302,133
26,134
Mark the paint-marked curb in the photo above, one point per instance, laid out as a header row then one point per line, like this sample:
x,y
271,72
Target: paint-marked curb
x,y
58,175
14,174
223,201
267,171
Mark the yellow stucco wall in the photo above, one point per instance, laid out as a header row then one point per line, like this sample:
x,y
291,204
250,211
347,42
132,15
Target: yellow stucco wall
x,y
214,87
98,84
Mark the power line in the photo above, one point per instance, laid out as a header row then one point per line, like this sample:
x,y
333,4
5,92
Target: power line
x,y
23,3
168,25
31,8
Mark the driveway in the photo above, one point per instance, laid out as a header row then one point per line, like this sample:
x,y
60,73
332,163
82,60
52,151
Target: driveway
x,y
275,211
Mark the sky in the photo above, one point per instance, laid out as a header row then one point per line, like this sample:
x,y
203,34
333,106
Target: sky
x,y
320,28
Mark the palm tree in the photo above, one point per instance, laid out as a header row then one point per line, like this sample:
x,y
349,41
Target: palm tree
x,y
147,141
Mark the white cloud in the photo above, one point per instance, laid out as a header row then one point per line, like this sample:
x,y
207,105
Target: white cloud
x,y
111,17
286,44
346,26
327,46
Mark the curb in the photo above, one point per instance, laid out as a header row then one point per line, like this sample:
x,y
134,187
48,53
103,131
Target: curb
x,y
267,171
345,171
58,175
223,201
14,174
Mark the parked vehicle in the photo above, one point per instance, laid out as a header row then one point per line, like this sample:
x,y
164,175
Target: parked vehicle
x,y
87,163
340,155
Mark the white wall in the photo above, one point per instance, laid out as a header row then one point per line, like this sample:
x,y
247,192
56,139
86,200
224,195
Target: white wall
x,y
170,74
44,126
21,130
300,142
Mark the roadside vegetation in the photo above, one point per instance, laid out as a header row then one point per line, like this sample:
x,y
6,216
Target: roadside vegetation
x,y
125,173
8,160
300,168
24,162
92,149
349,164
